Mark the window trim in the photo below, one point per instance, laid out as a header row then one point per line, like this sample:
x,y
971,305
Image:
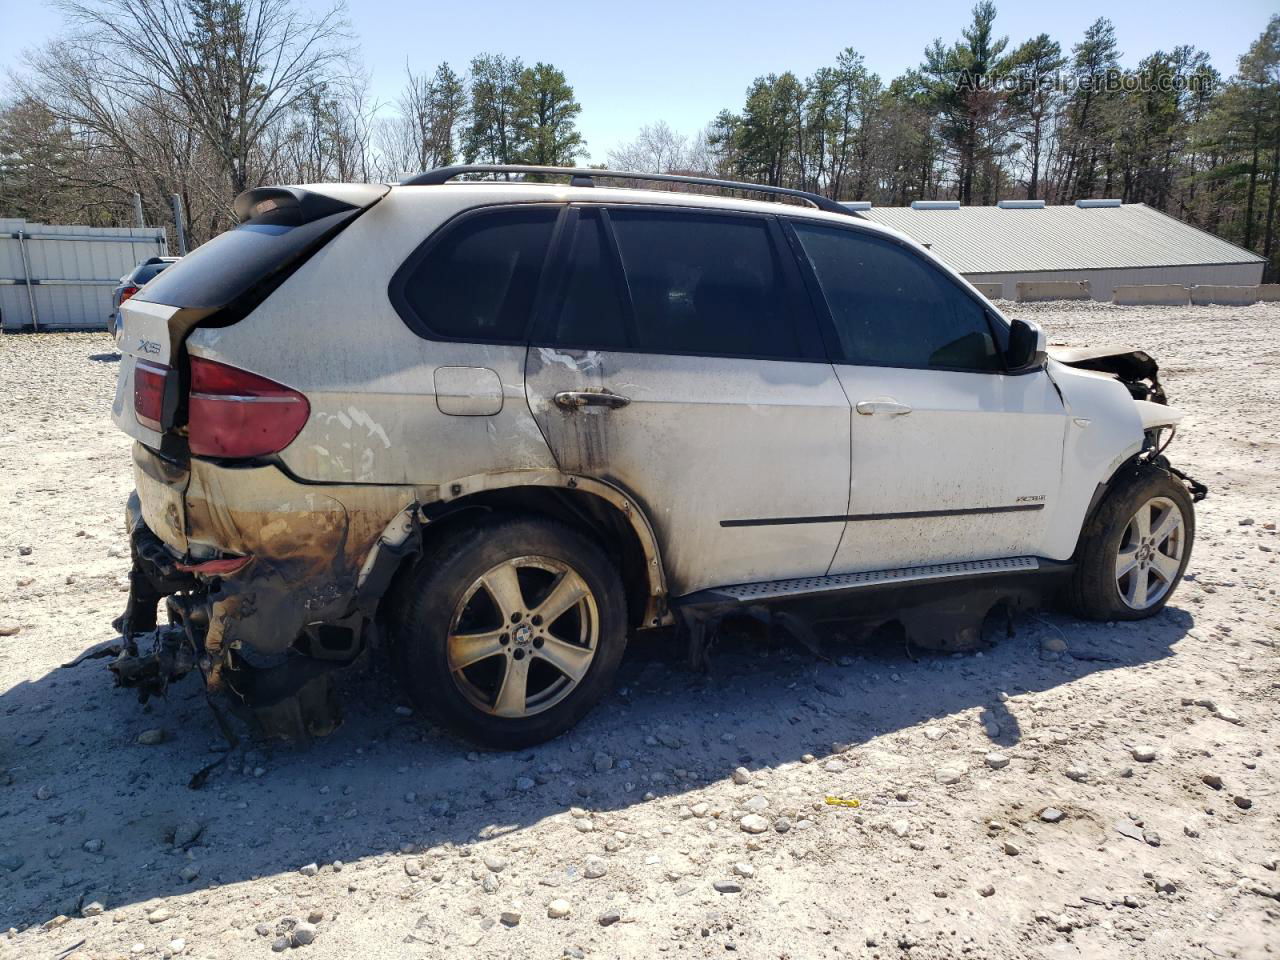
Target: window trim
x,y
399,279
828,323
808,328
540,335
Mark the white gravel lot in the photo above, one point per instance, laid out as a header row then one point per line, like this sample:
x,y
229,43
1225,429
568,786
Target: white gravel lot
x,y
423,849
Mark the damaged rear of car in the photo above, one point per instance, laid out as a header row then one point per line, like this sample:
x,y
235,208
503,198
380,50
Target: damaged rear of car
x,y
260,573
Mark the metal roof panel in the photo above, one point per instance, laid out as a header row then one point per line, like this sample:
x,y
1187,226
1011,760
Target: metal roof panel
x,y
994,240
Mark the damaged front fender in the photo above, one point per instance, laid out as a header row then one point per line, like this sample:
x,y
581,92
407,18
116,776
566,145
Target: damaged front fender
x,y
1136,369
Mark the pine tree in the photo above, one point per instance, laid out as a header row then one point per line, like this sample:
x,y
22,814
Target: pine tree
x,y
1034,66
545,120
962,80
492,134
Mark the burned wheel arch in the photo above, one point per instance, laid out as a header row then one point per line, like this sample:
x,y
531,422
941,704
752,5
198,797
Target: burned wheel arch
x,y
598,508
265,576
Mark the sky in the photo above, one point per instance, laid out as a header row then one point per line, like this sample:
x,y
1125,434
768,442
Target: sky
x,y
683,62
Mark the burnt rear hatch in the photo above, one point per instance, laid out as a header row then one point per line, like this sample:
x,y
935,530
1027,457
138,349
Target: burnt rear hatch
x,y
210,522
216,285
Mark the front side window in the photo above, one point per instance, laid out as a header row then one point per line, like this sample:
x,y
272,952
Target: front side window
x,y
708,284
892,308
478,280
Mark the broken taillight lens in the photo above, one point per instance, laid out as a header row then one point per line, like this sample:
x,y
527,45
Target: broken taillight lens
x,y
148,393
234,413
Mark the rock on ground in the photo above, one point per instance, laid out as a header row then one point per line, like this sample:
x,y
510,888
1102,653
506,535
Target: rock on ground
x,y
88,843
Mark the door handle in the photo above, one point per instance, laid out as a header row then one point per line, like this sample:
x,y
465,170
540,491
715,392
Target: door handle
x,y
888,408
576,399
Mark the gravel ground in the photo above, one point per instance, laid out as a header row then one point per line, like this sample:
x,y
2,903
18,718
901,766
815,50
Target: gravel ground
x,y
1116,799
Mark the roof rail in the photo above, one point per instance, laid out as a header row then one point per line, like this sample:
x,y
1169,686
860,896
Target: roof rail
x,y
585,177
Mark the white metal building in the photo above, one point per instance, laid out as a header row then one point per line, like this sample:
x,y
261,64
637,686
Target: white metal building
x,y
1102,241
58,277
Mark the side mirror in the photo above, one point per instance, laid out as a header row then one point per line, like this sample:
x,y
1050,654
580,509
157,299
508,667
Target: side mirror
x,y
1027,346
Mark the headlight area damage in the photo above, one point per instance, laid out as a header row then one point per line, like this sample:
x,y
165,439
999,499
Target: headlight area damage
x,y
1140,374
1136,369
265,583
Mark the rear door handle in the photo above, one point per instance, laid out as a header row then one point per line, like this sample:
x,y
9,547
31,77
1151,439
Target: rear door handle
x,y
887,408
576,399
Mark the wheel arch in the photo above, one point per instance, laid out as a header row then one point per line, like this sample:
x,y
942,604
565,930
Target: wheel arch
x,y
1125,469
595,507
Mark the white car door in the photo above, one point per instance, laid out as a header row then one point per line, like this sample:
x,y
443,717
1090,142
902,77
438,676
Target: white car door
x,y
953,458
679,358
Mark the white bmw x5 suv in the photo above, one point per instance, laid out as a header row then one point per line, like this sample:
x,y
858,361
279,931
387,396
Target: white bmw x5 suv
x,y
503,424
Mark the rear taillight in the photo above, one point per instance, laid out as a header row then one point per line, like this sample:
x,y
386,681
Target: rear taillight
x,y
127,292
149,381
234,413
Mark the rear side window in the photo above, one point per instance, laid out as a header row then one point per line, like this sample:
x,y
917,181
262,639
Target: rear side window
x,y
219,272
477,280
892,308
707,284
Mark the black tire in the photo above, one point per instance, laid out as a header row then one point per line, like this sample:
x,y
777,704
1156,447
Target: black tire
x,y
431,595
1095,593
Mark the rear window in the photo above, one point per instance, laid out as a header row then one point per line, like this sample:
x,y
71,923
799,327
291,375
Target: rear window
x,y
217,273
146,271
477,280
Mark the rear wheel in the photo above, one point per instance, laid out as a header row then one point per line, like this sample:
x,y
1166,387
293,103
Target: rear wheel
x,y
512,631
1136,548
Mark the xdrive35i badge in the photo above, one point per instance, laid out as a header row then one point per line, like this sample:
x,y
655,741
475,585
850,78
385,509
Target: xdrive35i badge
x,y
1039,498
148,346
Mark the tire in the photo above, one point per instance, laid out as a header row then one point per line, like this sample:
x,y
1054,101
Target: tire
x,y
481,593
1098,591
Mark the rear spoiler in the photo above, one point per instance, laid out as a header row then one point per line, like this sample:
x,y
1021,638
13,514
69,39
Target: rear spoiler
x,y
302,204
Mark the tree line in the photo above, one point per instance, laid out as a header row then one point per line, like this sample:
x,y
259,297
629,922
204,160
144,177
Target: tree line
x,y
205,98
980,120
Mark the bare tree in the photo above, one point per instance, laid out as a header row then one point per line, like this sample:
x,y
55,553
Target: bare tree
x,y
658,149
232,69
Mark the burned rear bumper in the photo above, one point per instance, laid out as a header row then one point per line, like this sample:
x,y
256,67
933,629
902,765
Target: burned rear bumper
x,y
306,544
262,577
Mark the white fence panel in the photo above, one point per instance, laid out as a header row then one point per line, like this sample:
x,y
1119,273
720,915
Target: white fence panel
x,y
61,277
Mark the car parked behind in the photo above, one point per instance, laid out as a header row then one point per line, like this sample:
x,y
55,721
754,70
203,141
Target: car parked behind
x,y
131,283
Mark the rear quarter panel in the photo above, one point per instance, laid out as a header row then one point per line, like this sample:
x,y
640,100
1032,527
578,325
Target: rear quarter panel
x,y
331,332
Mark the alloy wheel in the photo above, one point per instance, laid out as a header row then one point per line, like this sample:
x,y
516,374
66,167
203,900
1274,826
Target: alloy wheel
x,y
1150,553
523,636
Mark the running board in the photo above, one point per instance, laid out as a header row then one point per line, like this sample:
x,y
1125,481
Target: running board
x,y
807,586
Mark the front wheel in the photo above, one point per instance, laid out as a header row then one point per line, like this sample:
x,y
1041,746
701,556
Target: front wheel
x,y
512,631
1136,548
